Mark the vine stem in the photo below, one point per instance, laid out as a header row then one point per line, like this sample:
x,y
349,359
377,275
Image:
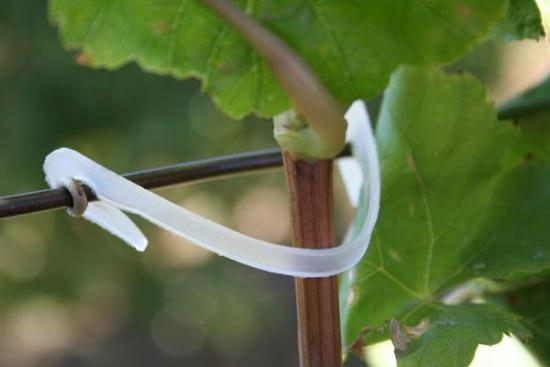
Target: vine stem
x,y
315,130
309,185
186,172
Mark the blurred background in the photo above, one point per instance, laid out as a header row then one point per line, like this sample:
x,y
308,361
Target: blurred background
x,y
73,295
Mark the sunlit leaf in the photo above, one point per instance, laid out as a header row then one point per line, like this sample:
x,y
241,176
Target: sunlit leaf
x,y
459,201
352,45
454,332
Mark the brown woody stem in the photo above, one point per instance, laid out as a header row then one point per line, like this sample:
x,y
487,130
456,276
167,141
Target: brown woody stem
x,y
309,185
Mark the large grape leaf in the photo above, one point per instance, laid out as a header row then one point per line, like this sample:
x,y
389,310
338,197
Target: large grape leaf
x,y
530,112
524,194
460,200
353,46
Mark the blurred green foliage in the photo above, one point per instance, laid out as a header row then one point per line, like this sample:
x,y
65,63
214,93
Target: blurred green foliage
x,y
71,294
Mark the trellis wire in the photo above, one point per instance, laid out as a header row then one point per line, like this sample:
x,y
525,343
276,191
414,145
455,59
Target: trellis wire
x,y
192,171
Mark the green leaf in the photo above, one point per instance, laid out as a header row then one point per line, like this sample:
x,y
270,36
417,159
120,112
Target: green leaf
x,y
531,112
531,303
459,201
352,45
522,21
440,148
514,241
454,332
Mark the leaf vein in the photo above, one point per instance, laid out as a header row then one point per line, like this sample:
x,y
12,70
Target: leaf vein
x,y
95,23
426,205
344,67
208,65
174,28
400,284
450,25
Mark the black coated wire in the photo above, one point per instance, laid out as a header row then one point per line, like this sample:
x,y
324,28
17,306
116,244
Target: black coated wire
x,y
217,167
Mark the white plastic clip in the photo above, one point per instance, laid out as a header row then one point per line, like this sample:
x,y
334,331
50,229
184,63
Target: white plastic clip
x,y
114,192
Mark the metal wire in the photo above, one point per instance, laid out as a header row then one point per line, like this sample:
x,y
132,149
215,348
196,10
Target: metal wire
x,y
217,167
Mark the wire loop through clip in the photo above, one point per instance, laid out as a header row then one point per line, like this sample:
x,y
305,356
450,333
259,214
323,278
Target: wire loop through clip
x,y
78,195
